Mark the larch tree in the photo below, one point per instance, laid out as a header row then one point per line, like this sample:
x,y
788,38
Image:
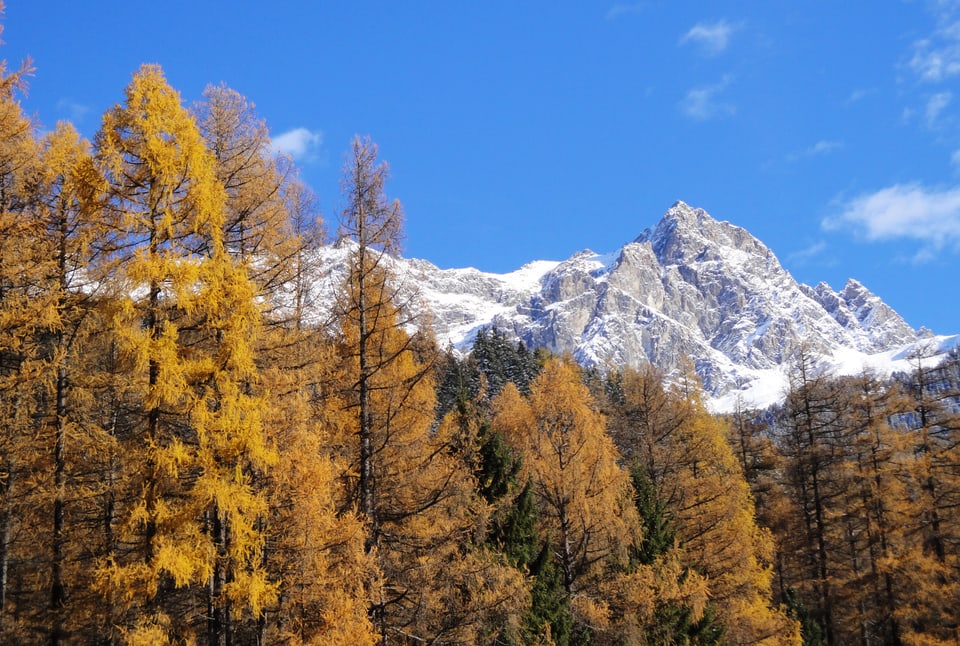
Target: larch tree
x,y
271,227
185,318
714,516
583,495
431,583
866,477
257,224
645,420
811,437
27,309
375,224
874,510
930,613
67,201
315,549
685,465
412,489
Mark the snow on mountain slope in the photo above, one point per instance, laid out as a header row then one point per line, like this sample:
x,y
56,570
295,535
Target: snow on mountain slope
x,y
690,287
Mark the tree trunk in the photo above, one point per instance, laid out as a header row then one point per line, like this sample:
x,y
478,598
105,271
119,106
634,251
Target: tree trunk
x,y
57,589
5,522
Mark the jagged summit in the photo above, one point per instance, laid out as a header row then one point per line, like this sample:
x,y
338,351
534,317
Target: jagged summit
x,y
689,287
686,234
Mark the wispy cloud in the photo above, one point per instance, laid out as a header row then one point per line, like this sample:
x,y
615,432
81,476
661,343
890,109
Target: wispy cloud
x,y
712,38
300,143
859,95
819,149
955,159
626,9
823,147
929,70
76,112
807,254
705,103
936,104
904,211
937,58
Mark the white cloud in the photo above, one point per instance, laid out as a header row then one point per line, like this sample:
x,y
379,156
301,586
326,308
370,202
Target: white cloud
x,y
703,103
625,9
300,143
936,104
905,211
937,59
713,38
933,61
955,158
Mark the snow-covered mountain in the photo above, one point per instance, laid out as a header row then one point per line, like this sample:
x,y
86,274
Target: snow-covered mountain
x,y
691,287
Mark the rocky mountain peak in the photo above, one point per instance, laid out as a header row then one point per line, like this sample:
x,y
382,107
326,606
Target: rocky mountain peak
x,y
689,287
854,293
687,235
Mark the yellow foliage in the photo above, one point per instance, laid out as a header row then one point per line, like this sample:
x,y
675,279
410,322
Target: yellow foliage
x,y
184,554
151,630
685,450
583,495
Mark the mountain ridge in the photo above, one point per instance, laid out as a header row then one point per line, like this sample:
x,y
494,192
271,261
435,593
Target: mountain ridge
x,y
690,286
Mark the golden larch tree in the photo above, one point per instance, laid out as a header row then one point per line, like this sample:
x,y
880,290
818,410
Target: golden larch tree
x,y
185,318
584,497
257,227
27,310
929,612
415,494
683,452
67,204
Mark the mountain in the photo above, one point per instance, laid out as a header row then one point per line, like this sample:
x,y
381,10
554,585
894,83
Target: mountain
x,y
690,287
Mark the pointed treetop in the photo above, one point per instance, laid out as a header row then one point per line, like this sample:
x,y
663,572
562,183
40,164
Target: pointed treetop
x,y
370,219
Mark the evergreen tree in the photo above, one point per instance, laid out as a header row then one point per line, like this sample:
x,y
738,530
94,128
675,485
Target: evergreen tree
x,y
658,536
514,533
549,618
500,362
458,382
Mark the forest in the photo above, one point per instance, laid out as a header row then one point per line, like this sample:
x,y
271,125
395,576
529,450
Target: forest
x,y
188,456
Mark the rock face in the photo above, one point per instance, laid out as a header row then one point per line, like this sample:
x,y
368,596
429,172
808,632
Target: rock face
x,y
689,287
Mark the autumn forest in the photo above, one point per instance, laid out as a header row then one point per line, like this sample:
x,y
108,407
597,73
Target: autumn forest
x,y
188,456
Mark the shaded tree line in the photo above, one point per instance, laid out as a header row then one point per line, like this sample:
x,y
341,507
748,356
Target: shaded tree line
x,y
857,477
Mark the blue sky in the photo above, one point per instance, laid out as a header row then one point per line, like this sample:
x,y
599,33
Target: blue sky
x,y
530,130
